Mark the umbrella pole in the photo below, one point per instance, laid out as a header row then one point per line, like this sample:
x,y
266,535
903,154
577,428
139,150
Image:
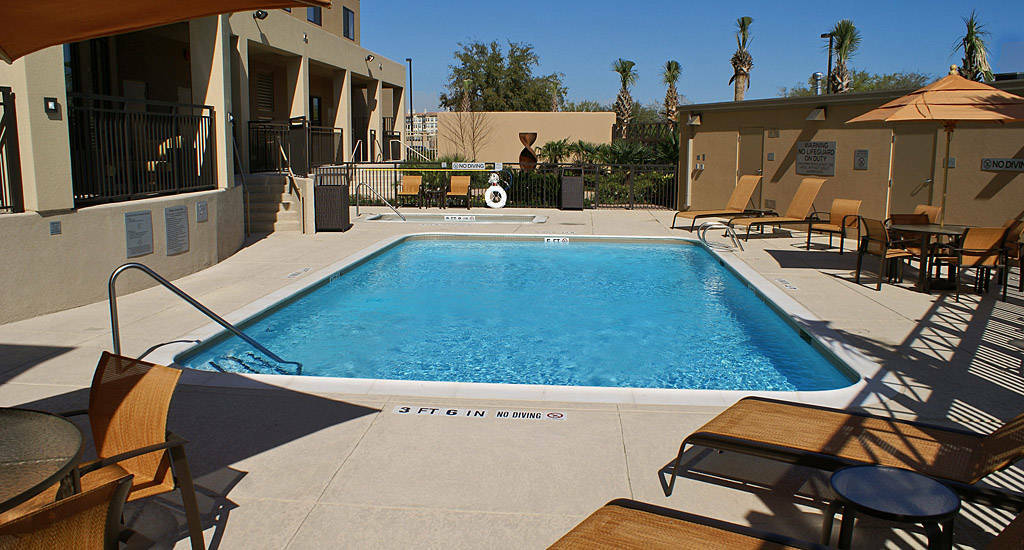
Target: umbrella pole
x,y
945,174
888,188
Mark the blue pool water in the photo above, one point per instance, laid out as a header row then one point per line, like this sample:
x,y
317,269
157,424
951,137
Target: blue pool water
x,y
580,314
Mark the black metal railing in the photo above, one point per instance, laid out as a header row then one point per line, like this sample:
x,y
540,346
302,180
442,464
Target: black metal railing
x,y
124,149
639,186
325,146
10,160
267,142
274,146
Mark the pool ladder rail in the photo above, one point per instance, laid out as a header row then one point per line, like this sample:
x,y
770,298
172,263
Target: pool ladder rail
x,y
702,234
116,333
379,196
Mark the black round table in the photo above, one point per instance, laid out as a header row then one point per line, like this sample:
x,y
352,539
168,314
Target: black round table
x,y
893,494
37,450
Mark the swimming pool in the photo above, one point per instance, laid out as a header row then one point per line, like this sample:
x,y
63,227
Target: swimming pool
x,y
535,311
415,217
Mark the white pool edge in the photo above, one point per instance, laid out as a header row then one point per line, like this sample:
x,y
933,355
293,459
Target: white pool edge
x,y
806,321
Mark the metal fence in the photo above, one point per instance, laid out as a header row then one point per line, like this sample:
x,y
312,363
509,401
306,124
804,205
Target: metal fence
x,y
123,149
10,160
273,145
267,142
640,186
643,132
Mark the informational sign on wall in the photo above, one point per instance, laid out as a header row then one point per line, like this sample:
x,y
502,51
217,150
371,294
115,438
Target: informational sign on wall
x,y
469,165
176,223
816,158
201,212
1002,165
138,233
860,159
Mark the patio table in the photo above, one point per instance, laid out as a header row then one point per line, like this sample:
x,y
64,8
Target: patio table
x,y
37,449
927,231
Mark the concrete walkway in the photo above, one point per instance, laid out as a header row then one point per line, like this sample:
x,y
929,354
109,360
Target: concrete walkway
x,y
283,469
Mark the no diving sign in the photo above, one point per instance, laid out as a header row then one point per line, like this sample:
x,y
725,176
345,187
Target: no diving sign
x,y
503,414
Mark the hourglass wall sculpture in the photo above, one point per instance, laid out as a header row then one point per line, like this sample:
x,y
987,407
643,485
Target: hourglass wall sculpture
x,y
527,157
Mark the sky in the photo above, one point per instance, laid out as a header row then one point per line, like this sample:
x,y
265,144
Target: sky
x,y
581,39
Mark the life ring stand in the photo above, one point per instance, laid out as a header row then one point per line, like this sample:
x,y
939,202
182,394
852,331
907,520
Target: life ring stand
x,y
495,196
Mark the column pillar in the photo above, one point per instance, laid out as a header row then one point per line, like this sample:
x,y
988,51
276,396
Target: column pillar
x,y
240,99
298,80
43,141
210,50
342,91
400,107
373,92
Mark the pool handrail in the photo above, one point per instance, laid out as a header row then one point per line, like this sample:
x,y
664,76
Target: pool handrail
x,y
702,232
379,196
116,333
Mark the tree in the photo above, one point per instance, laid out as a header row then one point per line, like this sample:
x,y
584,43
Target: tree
x,y
975,62
624,102
500,81
863,81
585,106
670,77
742,61
846,40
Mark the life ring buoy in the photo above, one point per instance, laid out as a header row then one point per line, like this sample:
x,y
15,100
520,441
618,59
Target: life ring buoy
x,y
495,196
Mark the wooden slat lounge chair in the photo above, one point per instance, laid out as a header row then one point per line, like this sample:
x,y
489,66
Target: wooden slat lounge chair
x,y
628,524
459,188
829,439
737,205
798,212
90,520
411,186
128,405
877,242
843,215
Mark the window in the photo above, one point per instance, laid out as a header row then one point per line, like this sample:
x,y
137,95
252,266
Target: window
x,y
350,23
313,15
315,115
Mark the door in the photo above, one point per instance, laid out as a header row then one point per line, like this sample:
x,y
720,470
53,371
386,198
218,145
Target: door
x,y
913,168
751,144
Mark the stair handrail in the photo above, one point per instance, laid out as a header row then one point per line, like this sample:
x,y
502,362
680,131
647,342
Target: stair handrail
x,y
379,196
406,145
116,333
729,232
355,148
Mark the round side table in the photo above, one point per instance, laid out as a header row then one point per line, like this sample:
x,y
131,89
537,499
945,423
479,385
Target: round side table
x,y
892,494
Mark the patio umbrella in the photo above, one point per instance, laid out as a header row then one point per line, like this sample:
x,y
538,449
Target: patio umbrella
x,y
30,25
948,100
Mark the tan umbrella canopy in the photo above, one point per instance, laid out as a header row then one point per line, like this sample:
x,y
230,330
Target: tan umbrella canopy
x,y
30,25
949,100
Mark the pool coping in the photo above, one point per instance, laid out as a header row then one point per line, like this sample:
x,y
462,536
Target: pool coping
x,y
487,218
803,320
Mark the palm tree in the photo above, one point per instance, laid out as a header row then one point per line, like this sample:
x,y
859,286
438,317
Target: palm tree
x,y
741,61
671,76
846,40
624,102
975,63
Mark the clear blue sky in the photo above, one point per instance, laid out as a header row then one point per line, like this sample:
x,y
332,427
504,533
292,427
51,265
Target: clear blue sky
x,y
581,39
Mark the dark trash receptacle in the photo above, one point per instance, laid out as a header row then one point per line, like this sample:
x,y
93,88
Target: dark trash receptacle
x,y
572,193
331,205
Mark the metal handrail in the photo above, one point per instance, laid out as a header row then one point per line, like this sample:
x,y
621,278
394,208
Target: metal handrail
x,y
422,156
379,196
729,231
115,331
356,147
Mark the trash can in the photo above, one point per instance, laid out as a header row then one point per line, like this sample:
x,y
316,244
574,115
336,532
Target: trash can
x,y
572,193
330,203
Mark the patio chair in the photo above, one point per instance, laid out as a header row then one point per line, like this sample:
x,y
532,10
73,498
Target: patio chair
x,y
128,405
458,188
628,524
933,212
411,187
798,212
845,213
737,205
90,520
829,439
877,242
981,249
1013,251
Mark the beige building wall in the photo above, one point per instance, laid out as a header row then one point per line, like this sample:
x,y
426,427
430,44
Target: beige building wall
x,y
499,131
710,158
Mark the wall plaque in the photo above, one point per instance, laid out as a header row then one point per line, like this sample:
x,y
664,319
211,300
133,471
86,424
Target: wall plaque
x,y
138,233
201,212
816,158
1002,165
176,225
860,159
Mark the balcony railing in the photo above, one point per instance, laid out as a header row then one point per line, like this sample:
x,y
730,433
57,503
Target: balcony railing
x,y
124,149
305,146
10,162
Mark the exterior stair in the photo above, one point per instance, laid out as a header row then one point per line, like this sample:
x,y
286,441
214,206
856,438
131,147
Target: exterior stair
x,y
272,207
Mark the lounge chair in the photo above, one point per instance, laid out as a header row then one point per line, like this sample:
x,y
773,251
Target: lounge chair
x,y
798,212
844,214
877,242
981,250
829,439
459,188
737,205
628,524
411,186
87,520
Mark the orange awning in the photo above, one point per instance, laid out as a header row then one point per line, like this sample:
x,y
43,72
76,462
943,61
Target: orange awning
x,y
30,25
952,98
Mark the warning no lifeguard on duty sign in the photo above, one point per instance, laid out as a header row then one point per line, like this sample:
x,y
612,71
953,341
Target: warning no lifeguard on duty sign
x,y
502,414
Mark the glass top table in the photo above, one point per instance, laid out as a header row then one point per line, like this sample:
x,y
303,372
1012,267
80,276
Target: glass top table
x,y
37,450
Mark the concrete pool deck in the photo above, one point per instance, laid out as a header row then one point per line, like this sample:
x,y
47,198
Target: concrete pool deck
x,y
281,468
